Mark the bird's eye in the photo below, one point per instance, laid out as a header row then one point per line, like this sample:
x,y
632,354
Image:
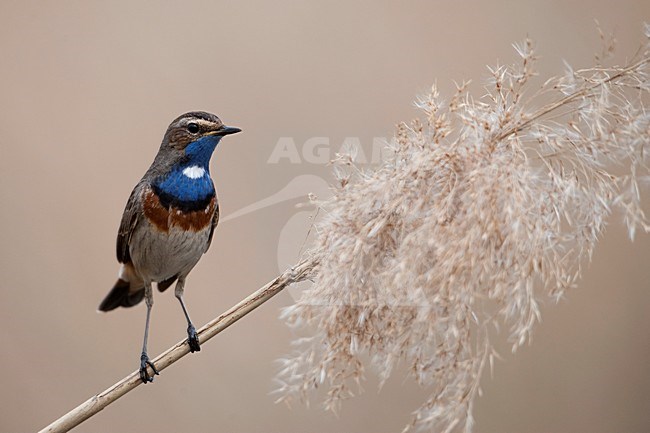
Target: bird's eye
x,y
193,128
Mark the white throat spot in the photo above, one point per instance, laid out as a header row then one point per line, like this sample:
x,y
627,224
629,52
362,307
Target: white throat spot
x,y
194,172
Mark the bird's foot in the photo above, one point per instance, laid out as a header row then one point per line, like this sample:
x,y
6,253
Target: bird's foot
x,y
144,373
193,339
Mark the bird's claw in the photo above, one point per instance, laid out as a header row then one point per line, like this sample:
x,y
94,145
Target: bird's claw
x,y
144,373
193,339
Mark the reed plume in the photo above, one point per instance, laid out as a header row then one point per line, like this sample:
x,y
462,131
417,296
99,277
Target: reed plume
x,y
484,206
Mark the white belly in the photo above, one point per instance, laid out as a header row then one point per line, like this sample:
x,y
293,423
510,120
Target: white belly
x,y
158,256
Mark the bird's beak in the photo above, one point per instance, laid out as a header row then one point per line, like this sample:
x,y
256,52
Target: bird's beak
x,y
226,130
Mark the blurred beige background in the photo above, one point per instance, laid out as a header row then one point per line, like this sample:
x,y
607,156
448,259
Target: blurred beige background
x,y
88,89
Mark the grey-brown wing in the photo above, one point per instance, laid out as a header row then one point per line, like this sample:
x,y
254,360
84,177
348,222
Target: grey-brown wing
x,y
215,221
127,226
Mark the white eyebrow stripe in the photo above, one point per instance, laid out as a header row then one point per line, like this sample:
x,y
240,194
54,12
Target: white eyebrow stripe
x,y
201,122
194,172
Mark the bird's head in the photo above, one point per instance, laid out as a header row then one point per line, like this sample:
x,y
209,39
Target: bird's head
x,y
192,137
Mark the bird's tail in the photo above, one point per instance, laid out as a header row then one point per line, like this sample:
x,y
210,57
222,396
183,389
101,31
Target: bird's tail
x,y
127,292
121,295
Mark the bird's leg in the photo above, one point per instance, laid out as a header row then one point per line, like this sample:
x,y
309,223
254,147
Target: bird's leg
x,y
144,358
192,336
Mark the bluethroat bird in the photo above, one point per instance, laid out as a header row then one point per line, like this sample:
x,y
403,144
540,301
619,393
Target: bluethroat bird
x,y
169,221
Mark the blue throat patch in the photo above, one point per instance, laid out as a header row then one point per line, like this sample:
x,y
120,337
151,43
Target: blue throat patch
x,y
183,188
